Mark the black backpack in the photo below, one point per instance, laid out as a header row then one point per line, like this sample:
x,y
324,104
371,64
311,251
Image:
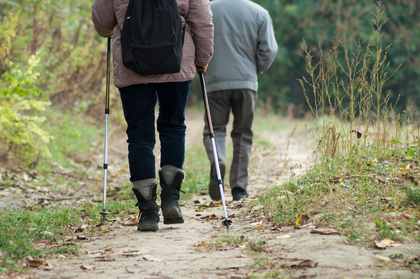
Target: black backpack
x,y
152,37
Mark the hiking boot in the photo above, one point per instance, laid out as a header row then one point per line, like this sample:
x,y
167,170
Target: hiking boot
x,y
239,194
214,190
146,202
170,180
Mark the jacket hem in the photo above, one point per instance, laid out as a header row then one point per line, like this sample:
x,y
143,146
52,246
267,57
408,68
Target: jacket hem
x,y
253,85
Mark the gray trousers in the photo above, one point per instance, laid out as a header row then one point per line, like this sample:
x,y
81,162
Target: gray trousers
x,y
242,103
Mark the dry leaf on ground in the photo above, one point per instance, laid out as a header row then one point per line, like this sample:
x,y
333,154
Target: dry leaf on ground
x,y
324,231
31,262
299,264
86,267
385,243
382,258
150,258
283,236
131,222
407,216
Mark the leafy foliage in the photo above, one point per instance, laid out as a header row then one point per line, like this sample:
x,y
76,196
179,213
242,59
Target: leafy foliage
x,y
318,21
21,107
61,34
366,165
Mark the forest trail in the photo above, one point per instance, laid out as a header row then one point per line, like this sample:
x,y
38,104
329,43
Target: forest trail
x,y
203,248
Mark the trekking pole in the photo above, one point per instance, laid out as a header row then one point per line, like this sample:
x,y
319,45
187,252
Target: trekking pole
x,y
226,222
108,77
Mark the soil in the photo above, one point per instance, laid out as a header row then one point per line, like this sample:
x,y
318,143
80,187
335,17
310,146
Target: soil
x,y
203,248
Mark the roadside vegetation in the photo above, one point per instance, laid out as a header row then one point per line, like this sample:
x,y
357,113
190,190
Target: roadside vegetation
x,y
364,182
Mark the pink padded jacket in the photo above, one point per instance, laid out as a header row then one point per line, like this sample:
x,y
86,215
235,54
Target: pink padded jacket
x,y
108,19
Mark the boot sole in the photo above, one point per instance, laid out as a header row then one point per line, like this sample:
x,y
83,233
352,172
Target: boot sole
x,y
172,217
214,190
173,221
148,227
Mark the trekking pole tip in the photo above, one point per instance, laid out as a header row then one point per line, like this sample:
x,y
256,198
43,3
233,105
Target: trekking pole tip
x,y
227,223
104,213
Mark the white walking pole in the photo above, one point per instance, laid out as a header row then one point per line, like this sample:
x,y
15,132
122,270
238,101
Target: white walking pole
x,y
226,222
108,77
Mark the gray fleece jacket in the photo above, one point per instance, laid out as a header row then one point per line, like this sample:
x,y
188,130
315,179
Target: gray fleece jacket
x,y
244,45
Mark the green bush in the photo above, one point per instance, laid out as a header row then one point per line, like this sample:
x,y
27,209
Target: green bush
x,y
22,106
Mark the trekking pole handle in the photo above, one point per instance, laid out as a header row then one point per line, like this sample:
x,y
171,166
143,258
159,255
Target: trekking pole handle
x,y
108,74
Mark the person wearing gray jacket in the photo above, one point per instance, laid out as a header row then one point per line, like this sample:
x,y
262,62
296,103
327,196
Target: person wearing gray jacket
x,y
244,47
139,95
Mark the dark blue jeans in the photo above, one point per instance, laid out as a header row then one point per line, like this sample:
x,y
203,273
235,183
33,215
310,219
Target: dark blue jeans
x,y
138,104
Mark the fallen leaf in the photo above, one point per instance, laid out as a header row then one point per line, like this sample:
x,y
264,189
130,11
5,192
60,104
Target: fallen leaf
x,y
298,221
283,236
411,178
31,262
407,216
213,216
108,249
199,209
304,219
150,258
81,237
202,244
104,259
256,208
359,135
257,248
131,222
336,179
324,231
260,228
299,264
383,243
86,267
129,271
308,263
382,258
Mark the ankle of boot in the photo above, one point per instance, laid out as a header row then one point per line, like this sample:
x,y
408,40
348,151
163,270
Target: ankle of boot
x,y
145,190
167,175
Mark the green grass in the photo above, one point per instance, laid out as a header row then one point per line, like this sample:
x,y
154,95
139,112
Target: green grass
x,y
352,206
73,135
197,170
413,196
21,230
365,175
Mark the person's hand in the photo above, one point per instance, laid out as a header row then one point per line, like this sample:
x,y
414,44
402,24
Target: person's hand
x,y
202,69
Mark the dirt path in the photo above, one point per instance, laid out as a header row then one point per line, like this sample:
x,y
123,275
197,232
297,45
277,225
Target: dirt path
x,y
203,248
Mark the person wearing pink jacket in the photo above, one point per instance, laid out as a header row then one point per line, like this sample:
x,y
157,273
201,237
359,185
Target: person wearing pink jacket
x,y
139,94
